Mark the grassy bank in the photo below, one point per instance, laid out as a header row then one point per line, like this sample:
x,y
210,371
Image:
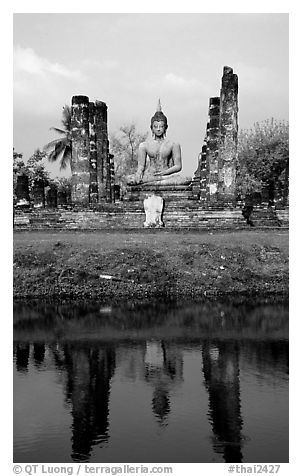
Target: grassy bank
x,y
150,262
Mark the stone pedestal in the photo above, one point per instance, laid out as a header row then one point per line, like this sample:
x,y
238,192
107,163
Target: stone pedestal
x,y
172,197
167,192
153,206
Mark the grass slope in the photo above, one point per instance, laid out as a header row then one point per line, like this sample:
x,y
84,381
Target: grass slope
x,y
150,262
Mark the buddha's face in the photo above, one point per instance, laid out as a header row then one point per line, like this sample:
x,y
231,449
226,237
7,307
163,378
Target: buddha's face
x,y
158,128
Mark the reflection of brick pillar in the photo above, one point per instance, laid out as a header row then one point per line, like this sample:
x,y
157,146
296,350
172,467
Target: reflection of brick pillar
x,y
213,151
93,186
228,125
101,146
80,150
222,379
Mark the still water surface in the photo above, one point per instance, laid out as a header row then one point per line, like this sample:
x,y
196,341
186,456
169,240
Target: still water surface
x,y
151,382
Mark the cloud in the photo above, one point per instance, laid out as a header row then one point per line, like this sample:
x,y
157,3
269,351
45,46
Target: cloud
x,y
27,61
103,66
40,85
181,84
259,79
171,83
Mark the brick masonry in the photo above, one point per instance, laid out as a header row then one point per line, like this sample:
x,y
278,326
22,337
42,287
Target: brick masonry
x,y
130,215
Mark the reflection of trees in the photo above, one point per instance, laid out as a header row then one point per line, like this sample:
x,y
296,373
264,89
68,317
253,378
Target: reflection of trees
x,y
164,371
221,373
89,371
269,359
262,320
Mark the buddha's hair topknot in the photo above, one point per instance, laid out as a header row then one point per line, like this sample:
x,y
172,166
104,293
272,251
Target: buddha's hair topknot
x,y
159,116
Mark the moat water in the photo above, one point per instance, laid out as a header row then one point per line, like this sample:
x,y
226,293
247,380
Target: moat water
x,y
151,382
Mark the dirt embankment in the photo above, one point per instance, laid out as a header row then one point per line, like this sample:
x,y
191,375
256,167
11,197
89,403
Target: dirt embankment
x,y
150,263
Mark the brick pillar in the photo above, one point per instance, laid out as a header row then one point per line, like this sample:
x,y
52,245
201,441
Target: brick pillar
x,y
203,174
228,126
39,194
62,198
80,150
52,197
213,151
22,191
93,184
112,177
108,175
101,146
196,180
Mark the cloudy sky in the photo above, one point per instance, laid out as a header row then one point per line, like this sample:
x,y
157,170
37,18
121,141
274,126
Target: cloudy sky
x,y
130,60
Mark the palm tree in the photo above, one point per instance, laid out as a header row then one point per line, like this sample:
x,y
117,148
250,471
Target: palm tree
x,y
61,148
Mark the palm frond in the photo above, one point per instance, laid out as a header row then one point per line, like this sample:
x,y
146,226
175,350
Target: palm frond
x,y
51,144
52,157
66,120
66,158
59,131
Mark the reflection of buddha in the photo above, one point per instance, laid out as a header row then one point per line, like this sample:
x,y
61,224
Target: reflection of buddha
x,y
159,160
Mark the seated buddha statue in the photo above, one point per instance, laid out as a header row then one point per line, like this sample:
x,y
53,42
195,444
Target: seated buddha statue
x,y
159,159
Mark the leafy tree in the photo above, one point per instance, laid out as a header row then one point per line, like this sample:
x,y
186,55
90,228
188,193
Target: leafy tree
x,y
124,146
36,169
19,168
264,160
61,148
64,185
18,164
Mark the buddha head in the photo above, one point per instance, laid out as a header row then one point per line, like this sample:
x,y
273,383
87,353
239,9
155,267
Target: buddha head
x,y
159,122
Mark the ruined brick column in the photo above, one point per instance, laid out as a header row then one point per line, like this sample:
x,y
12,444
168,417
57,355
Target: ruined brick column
x,y
228,155
61,198
22,191
196,180
213,151
112,177
200,175
39,193
52,197
80,150
109,160
203,173
93,184
101,146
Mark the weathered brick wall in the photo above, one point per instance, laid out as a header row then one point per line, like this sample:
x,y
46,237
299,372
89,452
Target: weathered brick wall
x,y
131,215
